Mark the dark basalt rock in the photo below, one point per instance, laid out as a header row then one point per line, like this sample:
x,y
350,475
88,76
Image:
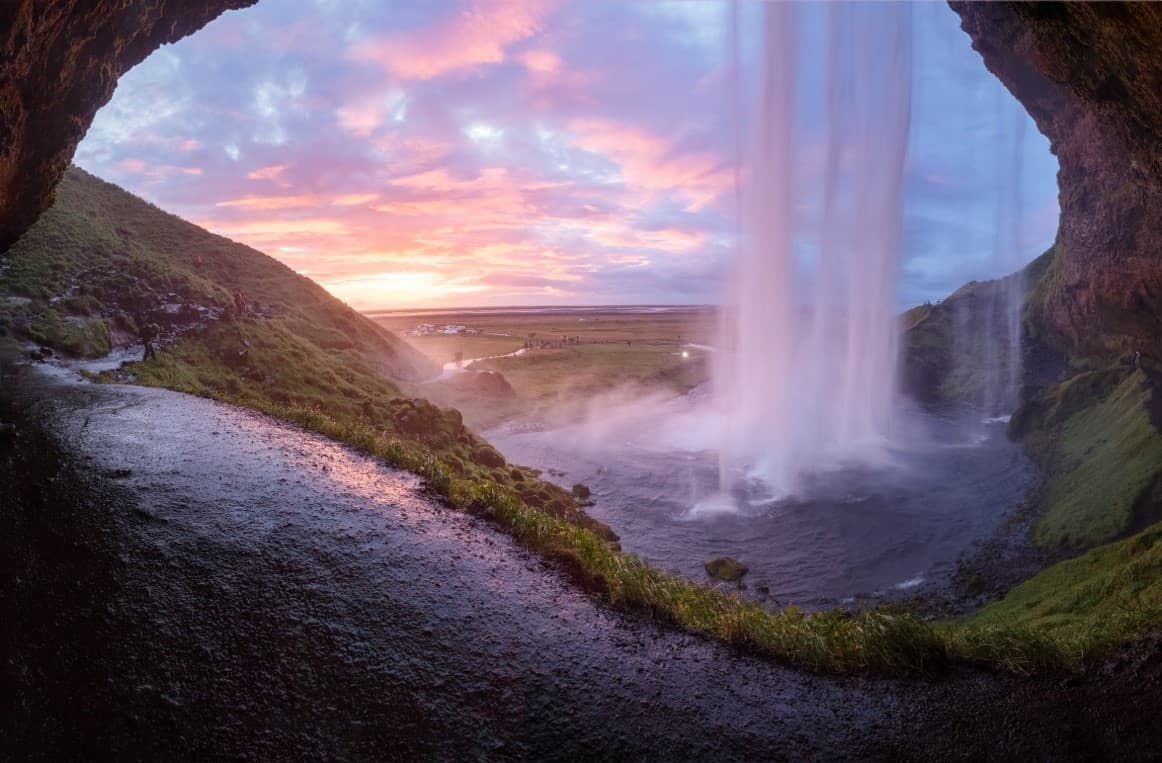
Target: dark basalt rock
x,y
59,63
486,384
726,568
1090,75
438,427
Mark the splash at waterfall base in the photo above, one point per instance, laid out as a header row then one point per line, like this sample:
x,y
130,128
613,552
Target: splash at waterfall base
x,y
850,532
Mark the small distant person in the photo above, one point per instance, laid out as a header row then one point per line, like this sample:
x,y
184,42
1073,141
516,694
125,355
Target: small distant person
x,y
1137,359
198,261
149,332
239,303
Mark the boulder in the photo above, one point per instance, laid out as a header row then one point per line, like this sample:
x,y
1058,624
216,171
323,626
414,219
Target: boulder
x,y
726,568
486,384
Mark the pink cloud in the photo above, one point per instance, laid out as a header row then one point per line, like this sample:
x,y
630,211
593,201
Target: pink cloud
x,y
541,61
440,179
477,35
652,163
621,235
361,119
406,155
156,173
270,202
354,199
272,172
280,231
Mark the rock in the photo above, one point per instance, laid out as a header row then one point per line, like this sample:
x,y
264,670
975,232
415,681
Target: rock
x,y
581,491
61,60
425,421
487,384
488,456
1089,74
726,568
939,365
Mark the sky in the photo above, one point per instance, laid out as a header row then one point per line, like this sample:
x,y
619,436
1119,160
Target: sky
x,y
431,153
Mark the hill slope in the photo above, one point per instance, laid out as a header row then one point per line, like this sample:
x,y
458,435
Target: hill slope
x,y
102,262
102,253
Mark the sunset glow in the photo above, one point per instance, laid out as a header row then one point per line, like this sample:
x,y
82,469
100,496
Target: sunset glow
x,y
512,151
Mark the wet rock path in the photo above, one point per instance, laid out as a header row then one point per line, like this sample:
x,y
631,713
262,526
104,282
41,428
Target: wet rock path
x,y
186,580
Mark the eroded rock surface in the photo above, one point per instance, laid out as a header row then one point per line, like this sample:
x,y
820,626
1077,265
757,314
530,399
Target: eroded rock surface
x,y
1090,74
59,63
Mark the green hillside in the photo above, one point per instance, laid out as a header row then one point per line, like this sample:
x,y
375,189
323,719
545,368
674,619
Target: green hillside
x,y
103,255
101,263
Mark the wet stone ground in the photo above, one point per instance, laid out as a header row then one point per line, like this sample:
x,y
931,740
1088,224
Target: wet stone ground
x,y
182,580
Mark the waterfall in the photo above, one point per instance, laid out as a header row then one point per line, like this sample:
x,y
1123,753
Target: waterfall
x,y
810,332
988,316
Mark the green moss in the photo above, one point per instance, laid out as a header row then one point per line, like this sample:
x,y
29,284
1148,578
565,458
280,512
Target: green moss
x,y
75,336
1102,455
1086,604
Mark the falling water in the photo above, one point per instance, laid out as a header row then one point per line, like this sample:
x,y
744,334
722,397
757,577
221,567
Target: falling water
x,y
988,316
1009,255
810,315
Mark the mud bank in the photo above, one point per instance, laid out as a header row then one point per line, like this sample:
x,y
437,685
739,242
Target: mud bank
x,y
181,580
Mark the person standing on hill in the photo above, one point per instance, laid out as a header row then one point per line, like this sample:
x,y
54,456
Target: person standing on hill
x,y
239,304
149,332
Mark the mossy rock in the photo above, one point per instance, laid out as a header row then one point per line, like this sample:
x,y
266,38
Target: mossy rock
x,y
581,491
488,456
726,568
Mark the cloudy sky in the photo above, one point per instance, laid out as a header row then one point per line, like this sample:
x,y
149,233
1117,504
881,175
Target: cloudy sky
x,y
488,152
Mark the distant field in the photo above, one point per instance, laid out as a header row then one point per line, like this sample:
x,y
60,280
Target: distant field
x,y
575,354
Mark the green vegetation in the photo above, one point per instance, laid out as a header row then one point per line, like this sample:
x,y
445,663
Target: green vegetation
x,y
575,358
947,355
946,349
1085,605
1101,454
101,261
104,255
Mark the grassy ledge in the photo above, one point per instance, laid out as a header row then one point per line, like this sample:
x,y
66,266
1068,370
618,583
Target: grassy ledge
x,y
881,640
878,640
1101,454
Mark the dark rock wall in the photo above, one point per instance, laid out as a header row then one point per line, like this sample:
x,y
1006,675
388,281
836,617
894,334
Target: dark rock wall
x,y
59,63
1090,74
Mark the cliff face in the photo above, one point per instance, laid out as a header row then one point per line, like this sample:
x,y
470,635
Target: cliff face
x,y
59,63
1090,75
